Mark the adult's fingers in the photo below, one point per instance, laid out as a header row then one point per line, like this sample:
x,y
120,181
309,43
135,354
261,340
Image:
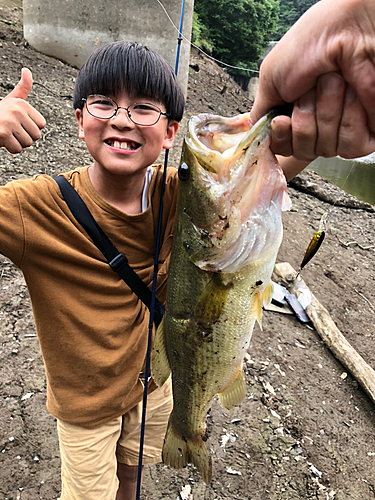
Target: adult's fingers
x,y
329,106
297,135
281,136
358,69
304,127
355,139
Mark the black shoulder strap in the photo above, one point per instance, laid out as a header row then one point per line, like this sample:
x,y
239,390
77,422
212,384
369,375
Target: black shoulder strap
x,y
117,260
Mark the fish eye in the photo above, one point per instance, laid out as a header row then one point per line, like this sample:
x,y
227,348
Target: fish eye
x,y
183,172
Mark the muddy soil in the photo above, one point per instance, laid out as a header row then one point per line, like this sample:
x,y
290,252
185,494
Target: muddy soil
x,y
306,428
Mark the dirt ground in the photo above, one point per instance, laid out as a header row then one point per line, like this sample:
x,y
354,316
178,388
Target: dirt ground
x,y
306,428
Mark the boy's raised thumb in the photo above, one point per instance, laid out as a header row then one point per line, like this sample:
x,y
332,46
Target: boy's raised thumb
x,y
24,86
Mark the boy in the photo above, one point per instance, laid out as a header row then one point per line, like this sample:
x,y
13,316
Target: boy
x,y
91,327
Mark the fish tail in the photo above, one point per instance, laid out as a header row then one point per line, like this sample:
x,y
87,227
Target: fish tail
x,y
178,452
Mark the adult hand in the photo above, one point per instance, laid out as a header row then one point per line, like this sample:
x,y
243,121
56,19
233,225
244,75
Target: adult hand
x,y
325,66
327,121
20,123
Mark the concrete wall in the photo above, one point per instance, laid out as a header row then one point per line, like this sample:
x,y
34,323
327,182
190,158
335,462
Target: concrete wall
x,y
71,30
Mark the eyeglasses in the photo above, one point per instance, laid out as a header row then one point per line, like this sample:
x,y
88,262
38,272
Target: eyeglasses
x,y
140,113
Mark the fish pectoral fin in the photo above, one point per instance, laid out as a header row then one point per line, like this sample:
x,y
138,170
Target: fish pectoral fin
x,y
160,369
235,392
257,308
212,300
267,294
261,299
178,452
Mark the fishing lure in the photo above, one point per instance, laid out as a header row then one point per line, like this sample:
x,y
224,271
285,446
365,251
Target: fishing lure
x,y
316,242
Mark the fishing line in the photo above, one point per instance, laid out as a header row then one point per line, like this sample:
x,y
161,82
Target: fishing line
x,y
198,48
153,294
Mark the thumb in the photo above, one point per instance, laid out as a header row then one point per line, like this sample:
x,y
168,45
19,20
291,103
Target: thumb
x,y
24,86
267,98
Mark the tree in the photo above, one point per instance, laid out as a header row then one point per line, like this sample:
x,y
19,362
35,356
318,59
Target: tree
x,y
200,35
237,29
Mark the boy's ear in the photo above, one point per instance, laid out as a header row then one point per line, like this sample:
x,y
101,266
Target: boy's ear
x,y
170,134
79,116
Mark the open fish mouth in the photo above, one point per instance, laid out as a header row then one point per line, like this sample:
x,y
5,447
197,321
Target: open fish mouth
x,y
222,139
235,171
218,133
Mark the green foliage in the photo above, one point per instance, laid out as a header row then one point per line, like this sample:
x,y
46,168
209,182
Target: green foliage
x,y
289,12
238,30
200,35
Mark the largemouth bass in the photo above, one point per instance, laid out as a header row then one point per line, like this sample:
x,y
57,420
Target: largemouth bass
x,y
227,234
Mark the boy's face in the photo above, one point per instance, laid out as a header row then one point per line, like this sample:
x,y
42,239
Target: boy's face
x,y
118,145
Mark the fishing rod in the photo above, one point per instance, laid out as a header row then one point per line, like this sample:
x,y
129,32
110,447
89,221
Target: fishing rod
x,y
153,293
179,40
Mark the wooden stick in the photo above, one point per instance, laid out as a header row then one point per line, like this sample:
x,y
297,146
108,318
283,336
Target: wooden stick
x,y
327,330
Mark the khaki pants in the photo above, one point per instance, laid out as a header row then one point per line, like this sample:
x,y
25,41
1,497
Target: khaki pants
x,y
89,456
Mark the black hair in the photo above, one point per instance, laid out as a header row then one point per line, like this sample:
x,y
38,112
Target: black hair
x,y
132,68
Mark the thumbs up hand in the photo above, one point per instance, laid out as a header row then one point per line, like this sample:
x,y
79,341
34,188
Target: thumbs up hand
x,y
20,123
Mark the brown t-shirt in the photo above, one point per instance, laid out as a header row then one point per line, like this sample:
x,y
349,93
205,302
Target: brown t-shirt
x,y
91,327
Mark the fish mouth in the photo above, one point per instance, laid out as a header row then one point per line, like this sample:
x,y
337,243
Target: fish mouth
x,y
223,135
219,133
221,138
243,188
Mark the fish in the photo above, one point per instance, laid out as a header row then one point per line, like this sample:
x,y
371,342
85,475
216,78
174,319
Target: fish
x,y
227,233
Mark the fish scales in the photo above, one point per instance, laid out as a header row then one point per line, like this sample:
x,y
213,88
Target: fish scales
x,y
227,233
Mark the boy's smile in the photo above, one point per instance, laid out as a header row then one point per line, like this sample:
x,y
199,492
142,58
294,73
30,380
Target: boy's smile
x,y
129,146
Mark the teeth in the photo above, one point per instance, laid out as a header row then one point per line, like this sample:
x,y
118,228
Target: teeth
x,y
123,145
